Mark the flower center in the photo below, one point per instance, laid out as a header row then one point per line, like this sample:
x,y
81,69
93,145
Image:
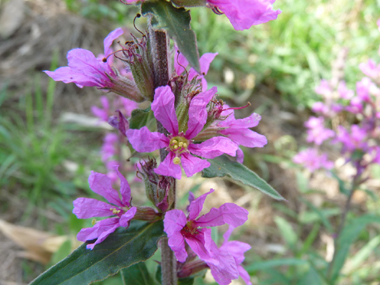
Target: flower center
x,y
115,211
178,145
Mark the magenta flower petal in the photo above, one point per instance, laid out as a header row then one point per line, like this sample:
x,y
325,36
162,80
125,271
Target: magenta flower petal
x,y
192,164
144,140
101,229
125,190
127,216
177,244
197,244
228,213
245,137
214,147
83,69
164,110
168,168
206,60
87,208
174,221
245,13
198,112
239,155
196,205
109,39
101,184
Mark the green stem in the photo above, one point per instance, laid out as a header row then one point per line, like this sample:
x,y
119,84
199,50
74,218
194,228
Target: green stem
x,y
342,223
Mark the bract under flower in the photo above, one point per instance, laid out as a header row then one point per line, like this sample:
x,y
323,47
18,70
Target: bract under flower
x,y
120,209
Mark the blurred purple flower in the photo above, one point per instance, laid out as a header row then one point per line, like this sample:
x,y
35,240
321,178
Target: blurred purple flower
x,y
311,160
316,131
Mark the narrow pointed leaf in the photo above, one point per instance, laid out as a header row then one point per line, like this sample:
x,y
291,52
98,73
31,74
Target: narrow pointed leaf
x,y
346,238
223,166
137,274
123,248
176,21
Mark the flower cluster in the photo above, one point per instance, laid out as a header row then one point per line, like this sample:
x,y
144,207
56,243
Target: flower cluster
x,y
199,126
359,142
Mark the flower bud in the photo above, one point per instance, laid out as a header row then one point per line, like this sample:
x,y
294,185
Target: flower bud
x,y
147,214
119,122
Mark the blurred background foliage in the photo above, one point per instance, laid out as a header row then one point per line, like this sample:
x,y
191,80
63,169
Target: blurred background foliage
x,y
45,157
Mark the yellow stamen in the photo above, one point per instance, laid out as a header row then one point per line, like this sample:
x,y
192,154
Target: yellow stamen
x,y
175,147
185,145
176,160
180,144
93,222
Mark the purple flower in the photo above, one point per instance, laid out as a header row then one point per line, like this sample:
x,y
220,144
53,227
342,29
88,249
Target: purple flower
x,y
120,209
245,13
311,160
344,92
236,249
370,69
84,69
237,130
316,132
179,144
324,89
353,140
193,231
180,63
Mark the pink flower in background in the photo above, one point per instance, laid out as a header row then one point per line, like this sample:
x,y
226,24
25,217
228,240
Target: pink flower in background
x,y
125,105
180,63
344,92
245,13
84,69
237,250
194,231
312,160
354,139
317,132
120,209
370,69
180,144
324,89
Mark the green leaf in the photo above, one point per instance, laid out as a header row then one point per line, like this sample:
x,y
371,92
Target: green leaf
x,y
140,118
263,265
121,249
322,214
136,275
177,23
346,238
287,232
222,166
363,254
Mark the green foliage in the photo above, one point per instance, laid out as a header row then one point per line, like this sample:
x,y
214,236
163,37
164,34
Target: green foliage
x,y
176,21
136,274
223,166
120,250
141,118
